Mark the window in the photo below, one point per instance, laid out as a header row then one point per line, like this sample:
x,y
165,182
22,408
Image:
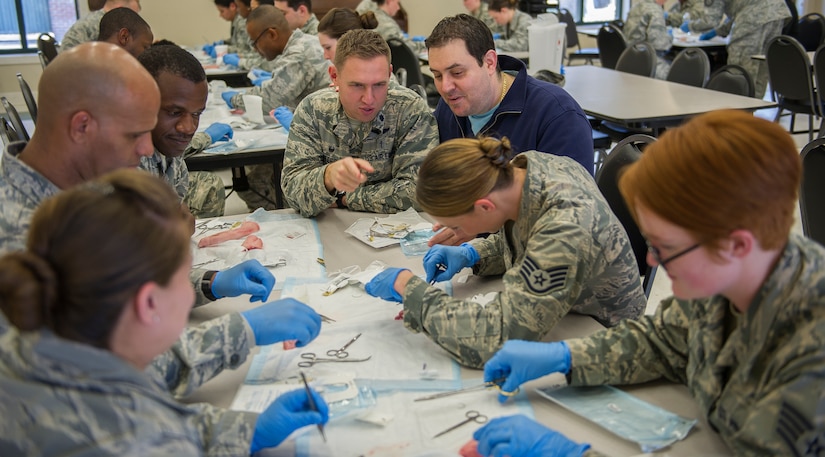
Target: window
x,y
21,21
594,11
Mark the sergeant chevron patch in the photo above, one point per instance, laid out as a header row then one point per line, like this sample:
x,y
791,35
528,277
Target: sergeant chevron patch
x,y
540,281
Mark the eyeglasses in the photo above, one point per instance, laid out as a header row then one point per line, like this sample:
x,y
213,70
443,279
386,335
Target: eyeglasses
x,y
654,252
255,41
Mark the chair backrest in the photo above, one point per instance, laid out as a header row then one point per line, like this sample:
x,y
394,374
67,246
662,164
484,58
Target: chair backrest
x,y
792,27
789,70
691,67
819,76
625,153
810,31
639,59
812,192
570,32
48,46
732,79
31,103
404,57
611,43
14,119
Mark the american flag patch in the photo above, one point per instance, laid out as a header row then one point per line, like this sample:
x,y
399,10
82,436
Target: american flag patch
x,y
540,281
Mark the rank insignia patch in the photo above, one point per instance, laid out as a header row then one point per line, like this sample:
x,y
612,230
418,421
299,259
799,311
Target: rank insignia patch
x,y
543,281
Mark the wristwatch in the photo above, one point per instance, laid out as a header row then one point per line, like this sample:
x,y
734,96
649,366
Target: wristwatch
x,y
206,285
339,199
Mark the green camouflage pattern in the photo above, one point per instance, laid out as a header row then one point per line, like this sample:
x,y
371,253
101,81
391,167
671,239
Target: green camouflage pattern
x,y
514,36
366,5
398,139
757,376
389,28
311,27
483,15
84,30
646,22
567,252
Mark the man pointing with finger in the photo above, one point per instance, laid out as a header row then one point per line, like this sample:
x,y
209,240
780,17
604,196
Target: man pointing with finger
x,y
358,145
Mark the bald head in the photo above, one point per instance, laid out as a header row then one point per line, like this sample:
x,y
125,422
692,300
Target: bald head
x,y
266,16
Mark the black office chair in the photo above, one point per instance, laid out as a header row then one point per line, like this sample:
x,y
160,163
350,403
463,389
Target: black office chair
x,y
404,58
14,119
691,67
819,82
732,79
533,7
31,103
625,153
639,59
812,191
792,26
572,36
789,71
48,46
810,31
611,43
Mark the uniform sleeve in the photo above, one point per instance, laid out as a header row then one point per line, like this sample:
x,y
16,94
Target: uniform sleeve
x,y
706,17
302,178
223,432
674,15
519,39
203,351
417,134
657,32
289,79
195,277
635,351
199,142
491,259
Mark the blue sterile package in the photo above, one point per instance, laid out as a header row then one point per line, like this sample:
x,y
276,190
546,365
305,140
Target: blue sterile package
x,y
631,418
415,243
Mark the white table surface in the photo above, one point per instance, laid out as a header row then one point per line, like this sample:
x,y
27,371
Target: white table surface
x,y
638,101
680,39
342,250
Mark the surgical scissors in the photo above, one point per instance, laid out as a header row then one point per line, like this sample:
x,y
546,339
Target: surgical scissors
x,y
311,359
471,416
342,352
204,226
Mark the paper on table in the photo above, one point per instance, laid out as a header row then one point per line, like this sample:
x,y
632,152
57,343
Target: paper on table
x,y
410,218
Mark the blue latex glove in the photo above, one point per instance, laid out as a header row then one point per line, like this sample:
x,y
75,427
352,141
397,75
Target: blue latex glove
x,y
666,15
685,27
284,116
219,132
261,80
259,73
496,36
248,277
227,97
287,413
383,285
454,258
405,34
707,35
419,38
521,361
210,49
283,320
231,59
519,436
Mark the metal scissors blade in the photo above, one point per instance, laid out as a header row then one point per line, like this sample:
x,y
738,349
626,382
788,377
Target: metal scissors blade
x,y
471,416
494,383
311,359
342,352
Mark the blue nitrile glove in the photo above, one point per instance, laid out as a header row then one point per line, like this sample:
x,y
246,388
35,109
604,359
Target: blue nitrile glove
x,y
284,117
227,97
210,50
707,35
248,277
261,80
419,38
287,413
685,27
405,34
231,59
283,320
259,73
383,285
496,36
454,258
666,15
521,361
219,132
519,436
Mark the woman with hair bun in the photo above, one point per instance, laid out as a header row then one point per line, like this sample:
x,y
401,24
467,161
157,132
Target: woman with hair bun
x,y
554,239
339,21
101,290
510,25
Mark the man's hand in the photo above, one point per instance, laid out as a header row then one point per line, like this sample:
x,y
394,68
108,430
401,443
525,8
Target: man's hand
x,y
447,236
346,174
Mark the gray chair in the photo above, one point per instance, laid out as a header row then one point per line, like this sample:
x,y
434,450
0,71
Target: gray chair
x,y
47,45
732,79
690,67
639,59
819,82
625,153
812,192
810,31
572,36
14,119
31,103
404,58
611,43
789,71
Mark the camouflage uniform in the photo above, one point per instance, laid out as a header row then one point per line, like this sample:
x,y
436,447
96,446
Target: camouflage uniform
x,y
483,15
388,28
202,191
311,27
60,396
646,22
514,36
394,143
201,352
756,22
299,71
366,5
84,30
566,252
757,376
678,10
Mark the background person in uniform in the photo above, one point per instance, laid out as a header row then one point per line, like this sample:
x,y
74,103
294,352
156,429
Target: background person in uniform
x,y
298,14
388,28
257,3
511,23
183,92
125,28
299,70
87,28
243,55
479,10
555,241
339,21
95,5
646,22
101,290
745,328
359,145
